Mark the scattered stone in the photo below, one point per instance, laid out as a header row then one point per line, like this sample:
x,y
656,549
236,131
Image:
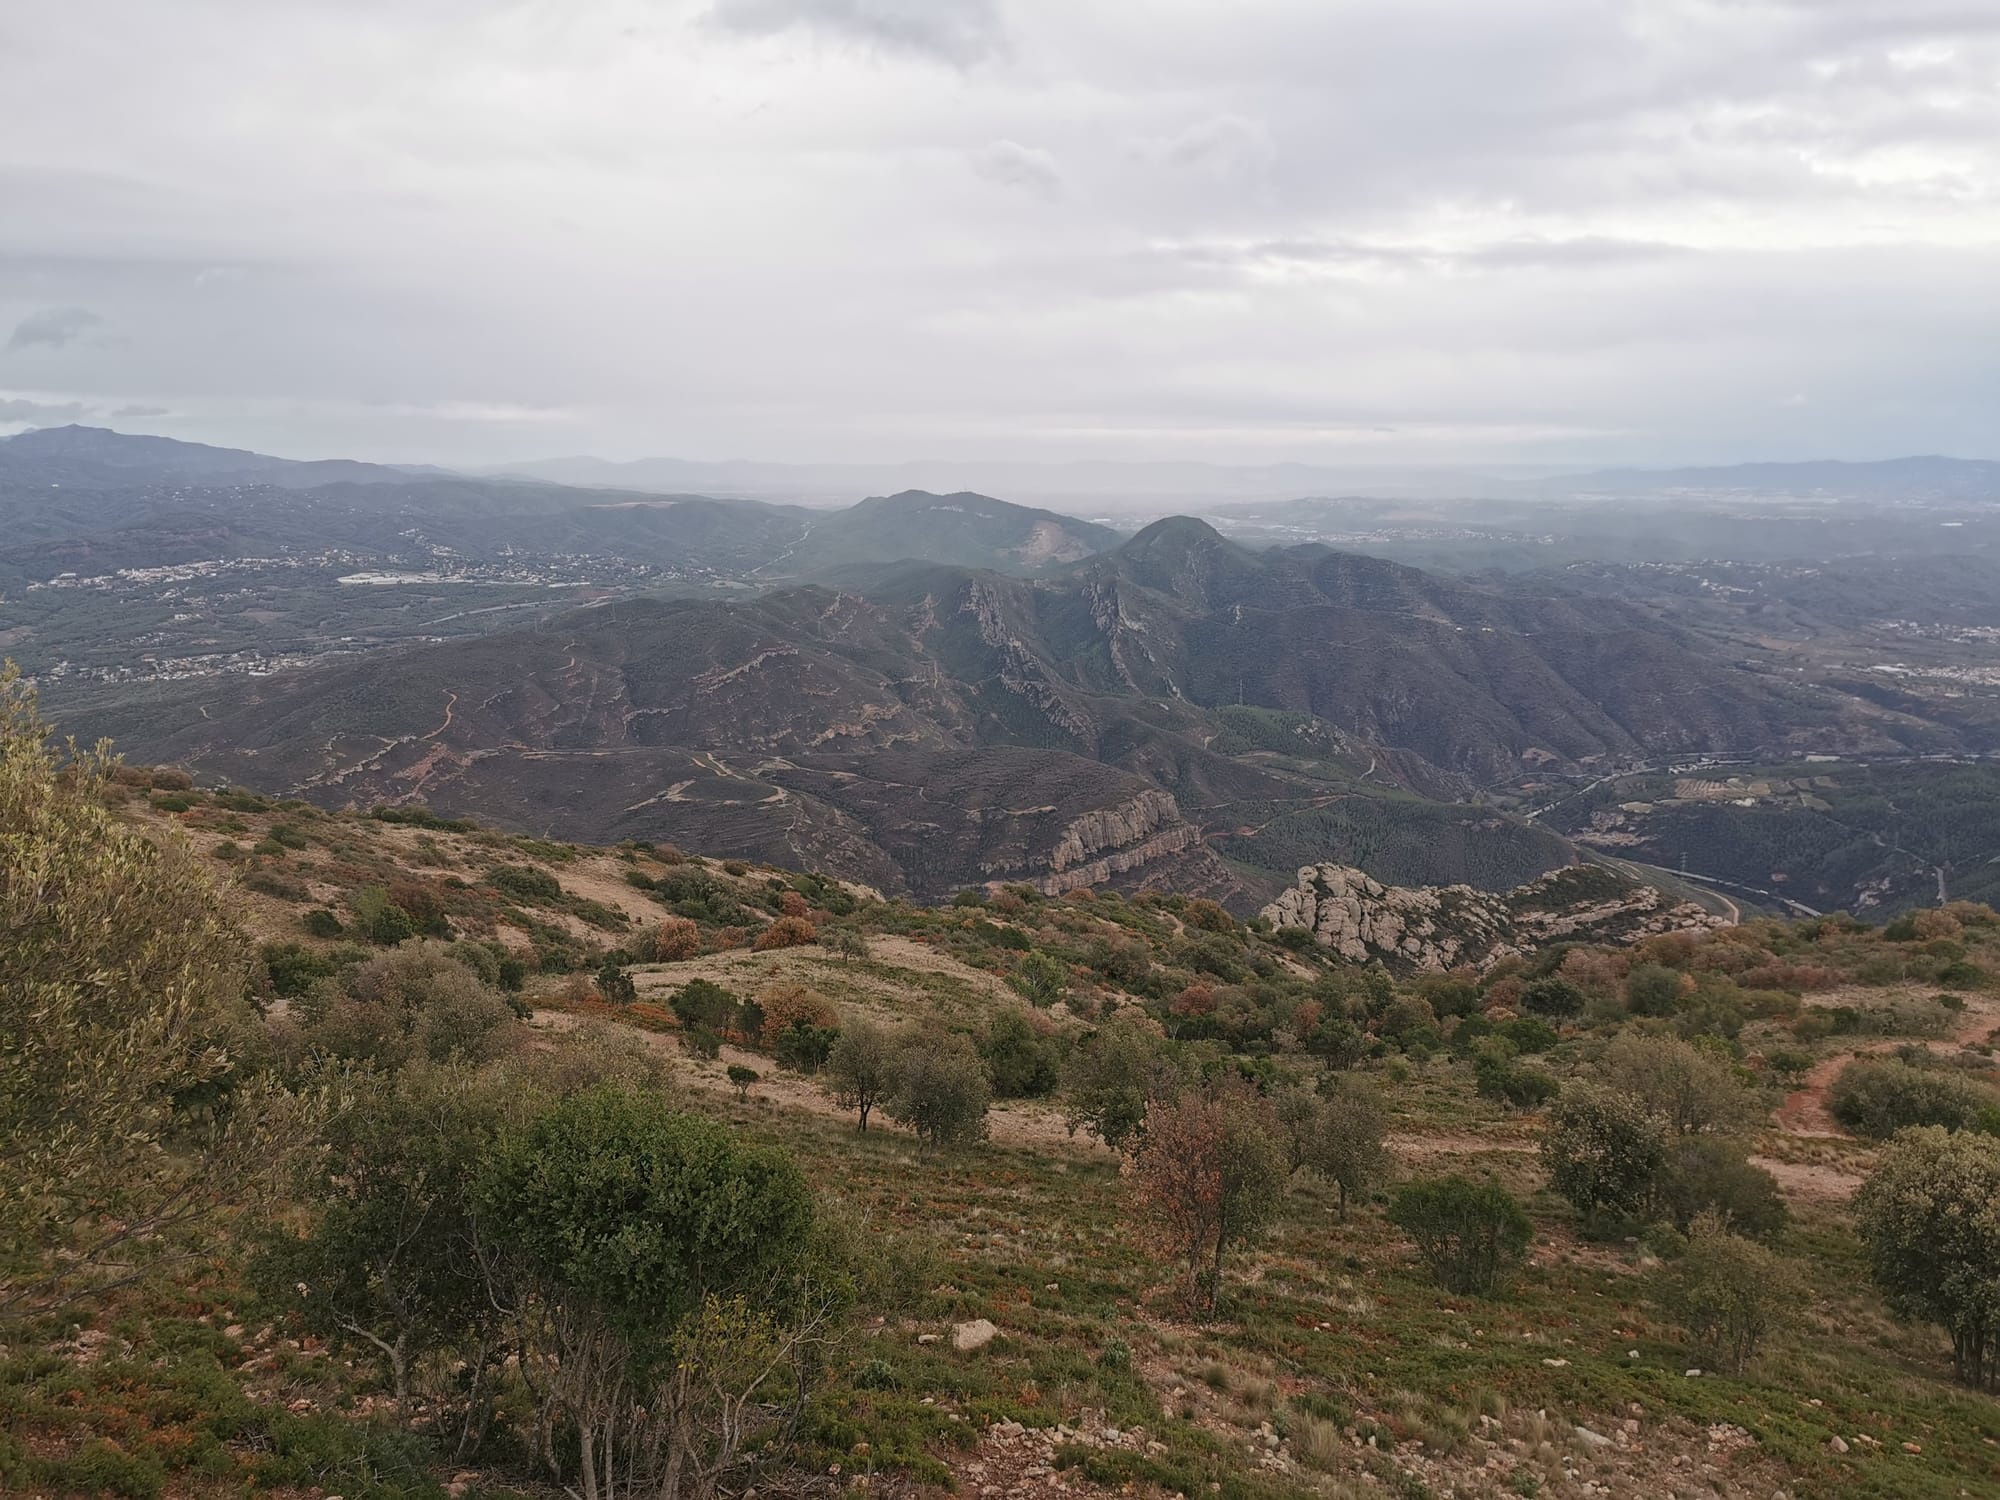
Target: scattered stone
x,y
927,1338
1694,1374
1837,1443
965,1337
1555,1364
1591,1439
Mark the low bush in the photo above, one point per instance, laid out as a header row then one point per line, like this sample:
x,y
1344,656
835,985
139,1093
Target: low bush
x,y
1876,1097
1470,1234
1728,1293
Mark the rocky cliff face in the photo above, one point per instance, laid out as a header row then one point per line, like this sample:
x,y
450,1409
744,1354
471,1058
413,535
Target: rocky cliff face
x,y
1112,841
1438,927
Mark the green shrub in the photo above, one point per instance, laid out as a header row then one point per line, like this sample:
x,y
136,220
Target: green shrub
x,y
615,985
525,883
942,1092
1876,1097
1603,1150
379,919
1529,1034
804,1047
1652,990
1470,1234
417,816
1708,1175
1551,996
1508,1081
321,922
1728,1293
1023,1063
1930,1217
702,1002
292,967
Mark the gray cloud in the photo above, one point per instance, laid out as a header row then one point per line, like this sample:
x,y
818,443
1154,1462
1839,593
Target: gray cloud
x,y
1011,164
960,32
135,411
19,409
1363,257
53,327
1484,230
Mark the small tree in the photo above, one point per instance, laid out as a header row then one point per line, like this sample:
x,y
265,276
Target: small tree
x,y
1470,1234
1688,1087
1041,979
702,1004
941,1091
614,985
849,943
130,1117
1209,1173
1550,996
1338,1134
1112,1076
861,1069
389,1263
742,1078
1727,1292
1930,1217
1603,1150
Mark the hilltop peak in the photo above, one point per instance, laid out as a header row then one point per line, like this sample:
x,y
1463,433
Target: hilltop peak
x,y
1177,531
963,529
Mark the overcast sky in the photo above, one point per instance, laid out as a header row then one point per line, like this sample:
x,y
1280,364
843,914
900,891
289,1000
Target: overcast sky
x,y
1242,230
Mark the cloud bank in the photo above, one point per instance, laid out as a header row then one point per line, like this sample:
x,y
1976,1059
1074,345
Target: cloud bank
x,y
1548,231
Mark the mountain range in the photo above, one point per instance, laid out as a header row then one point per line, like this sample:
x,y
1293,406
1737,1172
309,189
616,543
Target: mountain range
x,y
919,690
80,498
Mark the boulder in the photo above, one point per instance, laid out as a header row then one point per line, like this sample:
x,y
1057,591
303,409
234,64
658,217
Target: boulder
x,y
965,1337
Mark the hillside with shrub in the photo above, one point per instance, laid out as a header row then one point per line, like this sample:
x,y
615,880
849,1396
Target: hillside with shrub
x,y
380,1154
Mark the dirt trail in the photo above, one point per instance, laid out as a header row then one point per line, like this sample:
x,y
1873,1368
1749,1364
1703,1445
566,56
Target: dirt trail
x,y
1804,1112
1804,1115
1420,1148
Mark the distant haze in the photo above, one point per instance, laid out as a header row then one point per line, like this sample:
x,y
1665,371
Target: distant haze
x,y
1493,237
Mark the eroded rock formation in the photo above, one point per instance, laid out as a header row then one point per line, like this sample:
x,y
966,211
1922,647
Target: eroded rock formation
x,y
1439,927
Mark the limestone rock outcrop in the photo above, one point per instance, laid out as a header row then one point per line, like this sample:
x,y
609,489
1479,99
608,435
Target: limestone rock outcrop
x,y
1439,927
